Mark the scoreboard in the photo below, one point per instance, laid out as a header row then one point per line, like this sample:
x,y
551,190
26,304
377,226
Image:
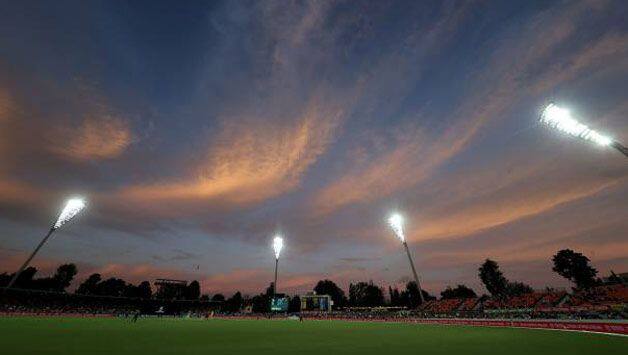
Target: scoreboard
x,y
320,303
279,304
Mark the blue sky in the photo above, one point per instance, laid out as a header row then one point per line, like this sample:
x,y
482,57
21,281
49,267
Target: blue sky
x,y
198,130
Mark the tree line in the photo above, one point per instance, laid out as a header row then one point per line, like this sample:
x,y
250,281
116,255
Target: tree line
x,y
567,263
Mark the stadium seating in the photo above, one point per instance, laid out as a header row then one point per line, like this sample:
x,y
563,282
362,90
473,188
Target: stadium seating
x,y
442,306
468,305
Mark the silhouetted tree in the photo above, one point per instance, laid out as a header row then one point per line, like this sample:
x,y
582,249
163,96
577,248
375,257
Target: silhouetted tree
x,y
25,280
234,304
64,276
261,303
204,298
493,279
460,291
364,294
218,297
328,287
575,268
270,290
4,279
111,287
130,290
395,297
90,285
410,296
518,289
193,290
58,282
144,290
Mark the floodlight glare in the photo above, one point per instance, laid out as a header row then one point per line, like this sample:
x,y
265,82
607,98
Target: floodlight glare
x,y
561,119
277,246
396,223
71,209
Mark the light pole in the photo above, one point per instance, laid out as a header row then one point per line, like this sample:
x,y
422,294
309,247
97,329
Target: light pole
x,y
396,223
561,119
277,246
71,209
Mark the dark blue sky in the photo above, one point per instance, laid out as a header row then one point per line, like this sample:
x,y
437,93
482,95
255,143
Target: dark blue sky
x,y
197,130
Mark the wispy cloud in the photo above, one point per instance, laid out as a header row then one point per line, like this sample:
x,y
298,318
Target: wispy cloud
x,y
250,161
105,137
412,154
505,208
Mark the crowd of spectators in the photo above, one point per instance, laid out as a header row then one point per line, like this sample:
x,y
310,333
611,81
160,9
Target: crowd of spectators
x,y
33,302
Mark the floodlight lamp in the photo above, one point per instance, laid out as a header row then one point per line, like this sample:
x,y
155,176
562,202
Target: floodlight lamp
x,y
71,209
396,223
277,245
560,118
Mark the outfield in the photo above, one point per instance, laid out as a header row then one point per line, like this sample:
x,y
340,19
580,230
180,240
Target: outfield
x,y
193,336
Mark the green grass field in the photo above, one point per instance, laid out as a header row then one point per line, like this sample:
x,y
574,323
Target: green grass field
x,y
181,336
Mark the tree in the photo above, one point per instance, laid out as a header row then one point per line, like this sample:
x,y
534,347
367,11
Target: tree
x,y
4,279
130,291
261,303
365,294
395,297
460,291
144,290
493,279
204,298
193,290
219,297
25,280
90,285
112,287
518,289
64,276
270,290
575,268
328,287
234,304
410,296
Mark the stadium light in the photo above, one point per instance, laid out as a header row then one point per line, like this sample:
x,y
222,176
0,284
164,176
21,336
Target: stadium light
x,y
72,208
396,223
277,246
560,118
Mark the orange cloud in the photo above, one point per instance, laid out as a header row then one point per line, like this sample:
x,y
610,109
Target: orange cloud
x,y
251,161
98,138
12,191
507,207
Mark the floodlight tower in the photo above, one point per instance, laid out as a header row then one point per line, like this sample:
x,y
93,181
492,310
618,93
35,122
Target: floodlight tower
x,y
561,119
277,246
71,209
396,223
